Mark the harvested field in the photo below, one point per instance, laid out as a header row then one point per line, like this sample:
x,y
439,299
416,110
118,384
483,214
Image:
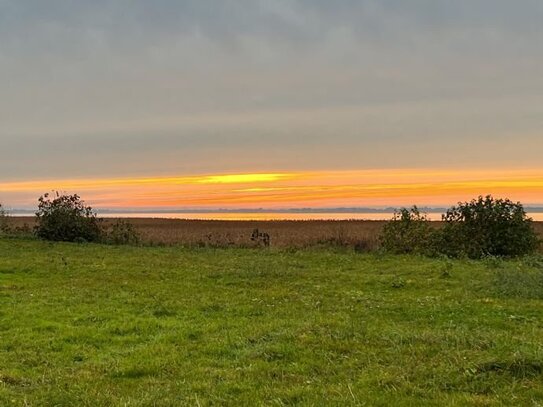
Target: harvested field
x,y
238,233
362,234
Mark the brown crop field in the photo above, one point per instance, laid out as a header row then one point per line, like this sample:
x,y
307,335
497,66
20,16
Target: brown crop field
x,y
362,234
281,233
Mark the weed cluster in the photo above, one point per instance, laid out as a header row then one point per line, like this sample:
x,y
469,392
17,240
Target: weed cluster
x,y
409,231
260,238
121,232
4,227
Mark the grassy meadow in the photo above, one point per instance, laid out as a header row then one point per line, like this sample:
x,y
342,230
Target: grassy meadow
x,y
96,325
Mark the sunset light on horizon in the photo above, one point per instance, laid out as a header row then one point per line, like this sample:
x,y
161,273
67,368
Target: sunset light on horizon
x,y
311,189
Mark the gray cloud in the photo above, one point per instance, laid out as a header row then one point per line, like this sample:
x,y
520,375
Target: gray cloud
x,y
271,84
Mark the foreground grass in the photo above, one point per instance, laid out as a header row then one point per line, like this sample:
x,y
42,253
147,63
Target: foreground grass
x,y
95,325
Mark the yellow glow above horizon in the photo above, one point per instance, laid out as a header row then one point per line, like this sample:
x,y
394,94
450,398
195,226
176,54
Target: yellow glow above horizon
x,y
243,178
290,189
155,181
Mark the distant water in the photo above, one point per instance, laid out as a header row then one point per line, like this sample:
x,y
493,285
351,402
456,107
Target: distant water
x,y
276,216
256,216
268,216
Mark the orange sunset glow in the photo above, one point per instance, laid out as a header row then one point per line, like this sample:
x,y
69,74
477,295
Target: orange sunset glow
x,y
368,188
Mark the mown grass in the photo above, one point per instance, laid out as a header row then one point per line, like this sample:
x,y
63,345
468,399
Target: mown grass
x,y
94,325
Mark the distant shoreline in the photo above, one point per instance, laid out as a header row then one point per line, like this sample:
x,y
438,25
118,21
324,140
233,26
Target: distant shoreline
x,y
22,212
262,216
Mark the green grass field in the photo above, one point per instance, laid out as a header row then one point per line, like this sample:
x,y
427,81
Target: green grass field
x,y
92,325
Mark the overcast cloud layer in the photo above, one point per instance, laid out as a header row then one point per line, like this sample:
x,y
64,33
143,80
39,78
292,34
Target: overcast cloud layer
x,y
120,88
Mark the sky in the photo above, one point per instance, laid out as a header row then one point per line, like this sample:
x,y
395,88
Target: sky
x,y
253,103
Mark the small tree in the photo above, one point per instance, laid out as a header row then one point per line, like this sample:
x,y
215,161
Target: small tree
x,y
487,226
409,231
66,218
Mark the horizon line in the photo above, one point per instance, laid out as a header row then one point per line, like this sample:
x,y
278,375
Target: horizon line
x,y
535,208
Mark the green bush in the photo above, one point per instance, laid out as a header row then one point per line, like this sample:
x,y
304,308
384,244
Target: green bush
x,y
487,227
482,228
409,231
66,218
122,232
4,226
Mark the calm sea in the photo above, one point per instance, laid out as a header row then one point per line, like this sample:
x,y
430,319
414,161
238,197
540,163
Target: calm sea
x,y
276,216
538,216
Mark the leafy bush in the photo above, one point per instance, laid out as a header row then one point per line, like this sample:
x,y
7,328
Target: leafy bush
x,y
66,218
4,227
483,228
123,232
487,227
409,231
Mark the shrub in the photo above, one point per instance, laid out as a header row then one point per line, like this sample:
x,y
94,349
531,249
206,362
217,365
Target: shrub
x,y
123,232
4,227
409,231
487,227
66,218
